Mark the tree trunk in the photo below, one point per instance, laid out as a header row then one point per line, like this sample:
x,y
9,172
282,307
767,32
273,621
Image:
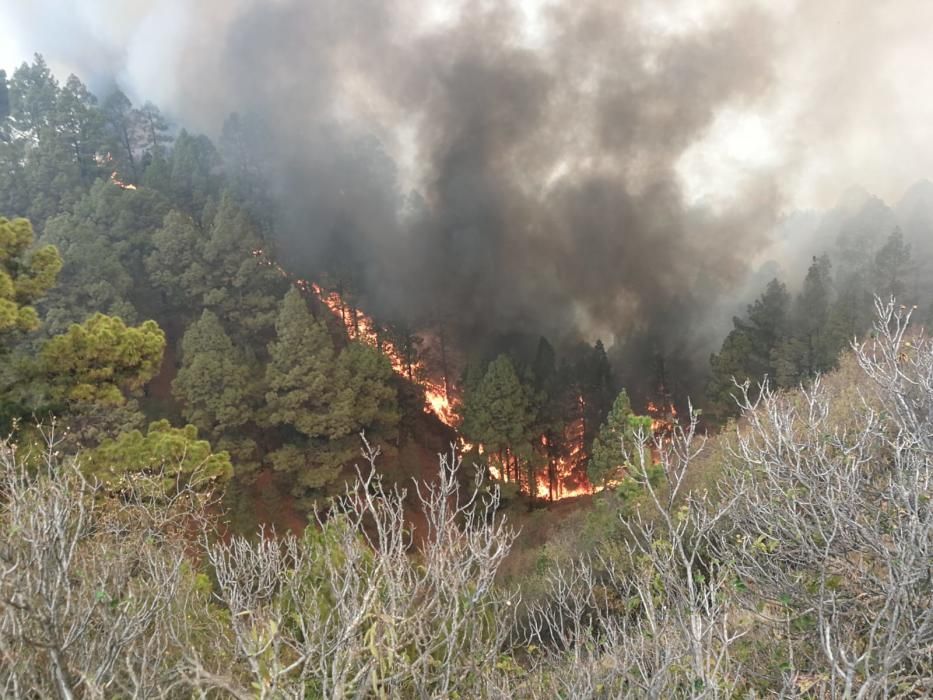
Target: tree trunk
x,y
532,484
129,153
444,365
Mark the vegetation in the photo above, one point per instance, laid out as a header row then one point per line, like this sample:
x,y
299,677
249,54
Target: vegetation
x,y
616,441
174,455
807,572
158,286
165,384
791,341
24,275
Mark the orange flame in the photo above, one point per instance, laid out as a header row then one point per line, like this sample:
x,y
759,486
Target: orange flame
x,y
119,183
663,418
565,476
106,159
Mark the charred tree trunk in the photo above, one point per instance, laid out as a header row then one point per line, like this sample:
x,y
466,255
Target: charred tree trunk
x,y
444,369
532,484
125,138
582,452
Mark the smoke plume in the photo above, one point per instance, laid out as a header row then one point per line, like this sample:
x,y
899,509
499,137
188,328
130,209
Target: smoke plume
x,y
524,165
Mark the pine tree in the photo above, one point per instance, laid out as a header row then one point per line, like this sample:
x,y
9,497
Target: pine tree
x,y
748,352
498,414
242,144
4,107
154,130
104,240
215,382
767,325
616,437
123,126
301,377
215,268
176,265
369,401
730,365
174,457
587,392
100,359
891,267
308,398
33,94
813,344
241,291
194,181
24,276
81,127
598,393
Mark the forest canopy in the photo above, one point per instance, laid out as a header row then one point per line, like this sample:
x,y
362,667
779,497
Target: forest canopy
x,y
218,477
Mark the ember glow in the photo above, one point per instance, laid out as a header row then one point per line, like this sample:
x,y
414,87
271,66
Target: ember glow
x,y
565,459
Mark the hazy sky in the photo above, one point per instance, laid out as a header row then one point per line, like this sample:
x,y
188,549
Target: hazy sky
x,y
851,102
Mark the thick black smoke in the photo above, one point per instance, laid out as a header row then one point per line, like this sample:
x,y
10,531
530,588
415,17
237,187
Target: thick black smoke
x,y
492,171
546,195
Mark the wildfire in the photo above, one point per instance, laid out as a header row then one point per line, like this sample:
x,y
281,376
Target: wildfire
x,y
568,484
566,475
363,328
562,476
565,472
114,178
119,183
663,418
440,405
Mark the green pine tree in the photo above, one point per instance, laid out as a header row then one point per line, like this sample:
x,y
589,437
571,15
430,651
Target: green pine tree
x,y
123,130
748,352
498,413
813,344
215,383
99,360
369,401
301,377
25,275
4,105
174,457
616,438
892,265
307,399
33,94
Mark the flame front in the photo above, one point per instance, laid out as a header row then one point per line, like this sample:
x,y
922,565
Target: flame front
x,y
564,475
